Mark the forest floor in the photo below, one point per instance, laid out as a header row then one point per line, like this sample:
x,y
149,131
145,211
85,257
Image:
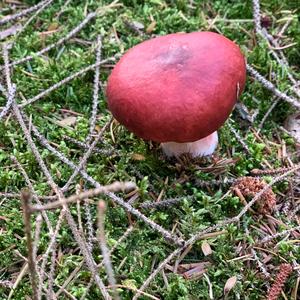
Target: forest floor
x,y
220,235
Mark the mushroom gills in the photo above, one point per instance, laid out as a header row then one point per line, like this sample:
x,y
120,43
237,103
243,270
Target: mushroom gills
x,y
202,147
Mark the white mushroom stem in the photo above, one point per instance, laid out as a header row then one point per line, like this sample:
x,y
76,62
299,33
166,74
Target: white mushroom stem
x,y
203,147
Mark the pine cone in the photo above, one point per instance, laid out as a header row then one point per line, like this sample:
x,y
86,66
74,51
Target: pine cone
x,y
250,186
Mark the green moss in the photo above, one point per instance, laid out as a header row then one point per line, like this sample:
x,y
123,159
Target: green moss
x,y
135,257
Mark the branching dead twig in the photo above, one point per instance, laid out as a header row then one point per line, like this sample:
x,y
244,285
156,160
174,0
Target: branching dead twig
x,y
265,35
239,138
74,31
33,193
114,187
97,150
266,115
86,155
10,97
38,227
197,236
50,275
51,247
11,88
271,87
81,242
41,8
17,196
167,235
25,195
258,261
165,203
64,81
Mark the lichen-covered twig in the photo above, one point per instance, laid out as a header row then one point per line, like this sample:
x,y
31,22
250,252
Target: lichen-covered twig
x,y
282,61
266,115
114,187
11,88
22,13
25,194
50,248
74,31
256,15
271,87
164,203
95,91
86,155
50,274
38,227
64,81
79,239
85,146
239,138
119,241
277,235
258,261
10,97
89,225
105,252
167,235
201,233
17,196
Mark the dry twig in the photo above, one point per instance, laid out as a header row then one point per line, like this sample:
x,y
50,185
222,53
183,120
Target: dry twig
x,y
74,31
26,196
167,235
64,81
271,87
105,252
95,91
200,234
23,13
81,242
114,187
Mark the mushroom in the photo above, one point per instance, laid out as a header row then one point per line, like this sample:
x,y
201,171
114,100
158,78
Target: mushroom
x,y
178,89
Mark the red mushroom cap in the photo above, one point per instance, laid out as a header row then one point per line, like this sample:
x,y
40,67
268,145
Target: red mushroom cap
x,y
179,87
